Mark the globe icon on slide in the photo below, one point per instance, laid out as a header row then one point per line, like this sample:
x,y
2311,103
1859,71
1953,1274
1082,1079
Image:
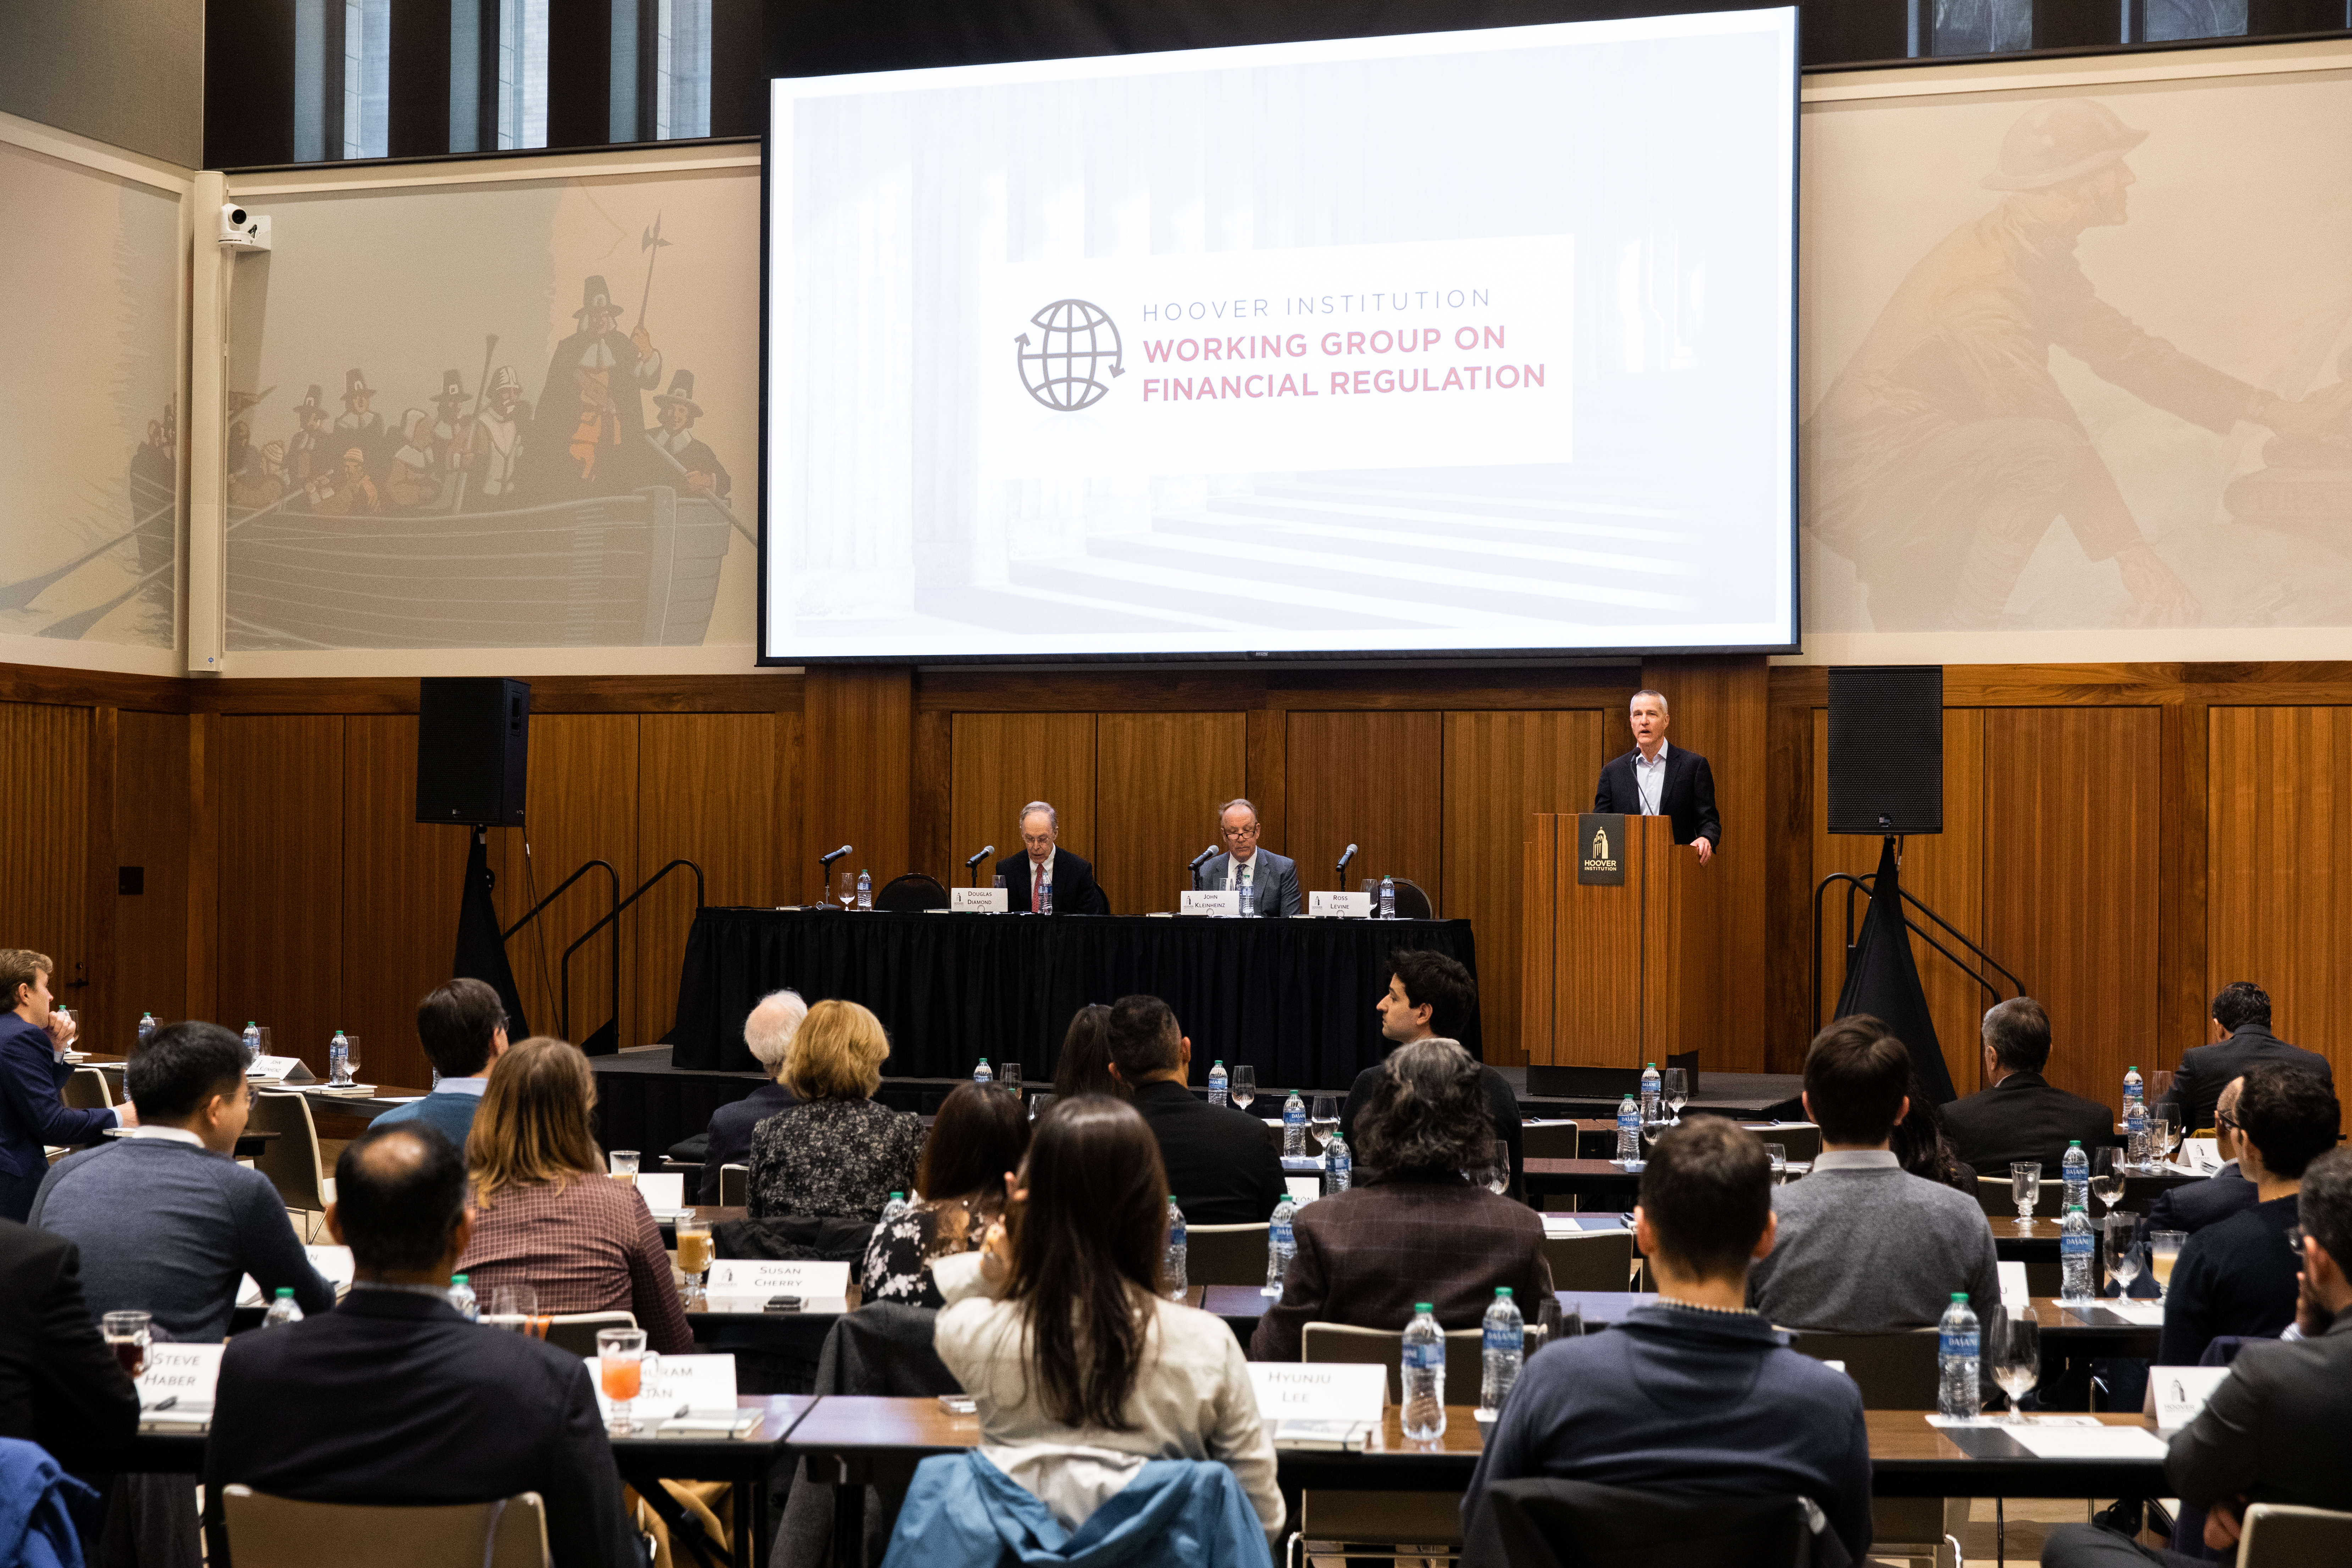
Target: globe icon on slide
x,y
1066,363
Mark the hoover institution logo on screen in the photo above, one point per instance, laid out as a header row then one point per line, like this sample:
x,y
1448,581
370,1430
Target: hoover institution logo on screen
x,y
1076,353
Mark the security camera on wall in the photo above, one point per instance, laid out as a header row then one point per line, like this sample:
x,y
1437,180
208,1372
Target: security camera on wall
x,y
242,231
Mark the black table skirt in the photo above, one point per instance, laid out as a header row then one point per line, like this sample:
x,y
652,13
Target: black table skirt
x,y
1291,997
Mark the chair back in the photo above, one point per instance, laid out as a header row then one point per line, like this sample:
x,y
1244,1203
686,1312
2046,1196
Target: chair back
x,y
1993,1196
1224,1254
266,1532
575,1332
1802,1144
290,1160
1411,902
911,894
88,1089
1895,1371
1345,1343
734,1186
1556,1523
2280,1535
1590,1260
1558,1141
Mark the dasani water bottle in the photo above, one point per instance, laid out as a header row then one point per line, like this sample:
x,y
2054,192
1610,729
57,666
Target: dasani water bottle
x,y
2076,1248
1629,1132
1220,1092
1504,1347
1339,1166
1650,1092
1173,1263
1294,1126
1424,1367
283,1310
252,1042
2077,1169
1957,1393
1281,1246
983,1073
461,1296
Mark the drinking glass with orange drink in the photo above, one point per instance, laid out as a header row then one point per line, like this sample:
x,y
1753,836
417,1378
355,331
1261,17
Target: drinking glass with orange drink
x,y
695,1252
621,1357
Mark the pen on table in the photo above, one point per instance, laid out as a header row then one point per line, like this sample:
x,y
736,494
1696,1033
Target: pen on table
x,y
164,1404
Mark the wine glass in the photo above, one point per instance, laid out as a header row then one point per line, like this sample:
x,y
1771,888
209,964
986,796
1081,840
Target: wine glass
x,y
1779,1154
2123,1250
1498,1175
1323,1119
621,1357
625,1166
1244,1087
1676,1090
128,1335
2163,1252
2107,1175
2017,1357
694,1255
516,1308
2164,1135
1037,1103
2025,1190
844,888
1008,1078
1655,1126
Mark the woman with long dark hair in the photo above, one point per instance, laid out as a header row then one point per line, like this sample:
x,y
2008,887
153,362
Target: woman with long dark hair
x,y
1061,1332
1083,1065
979,1135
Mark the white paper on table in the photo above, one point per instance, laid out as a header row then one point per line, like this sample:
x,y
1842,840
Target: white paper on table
x,y
663,1191
1225,903
279,1069
1340,906
1558,1224
703,1385
1320,1391
2052,1441
1304,1190
333,1262
806,1279
976,901
2149,1314
2181,1393
2014,1293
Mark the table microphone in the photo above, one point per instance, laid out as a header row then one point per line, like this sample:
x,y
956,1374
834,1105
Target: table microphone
x,y
1340,870
1203,859
971,865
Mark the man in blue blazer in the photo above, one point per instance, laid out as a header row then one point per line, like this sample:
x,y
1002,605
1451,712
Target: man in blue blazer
x,y
1655,779
1267,883
33,1073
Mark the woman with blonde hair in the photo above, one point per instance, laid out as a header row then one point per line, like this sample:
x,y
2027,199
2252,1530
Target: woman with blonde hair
x,y
545,1213
837,1154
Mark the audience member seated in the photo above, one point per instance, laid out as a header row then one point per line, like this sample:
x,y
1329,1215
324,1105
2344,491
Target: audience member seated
x,y
1084,1066
1061,1332
2189,1206
1418,1230
2277,1428
392,1397
1431,995
977,1139
837,1153
462,1027
546,1215
1865,1246
2243,1041
2237,1276
1696,1395
1221,1166
1921,1147
2023,1116
767,1031
34,1116
60,1387
167,1220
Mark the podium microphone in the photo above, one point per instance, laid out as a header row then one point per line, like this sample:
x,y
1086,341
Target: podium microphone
x,y
829,859
1203,859
825,875
985,851
1340,870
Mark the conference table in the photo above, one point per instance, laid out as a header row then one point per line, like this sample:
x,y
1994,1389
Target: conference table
x,y
1294,998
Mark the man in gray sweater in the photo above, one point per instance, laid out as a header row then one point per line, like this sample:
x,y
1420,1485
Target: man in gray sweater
x,y
166,1219
1866,1247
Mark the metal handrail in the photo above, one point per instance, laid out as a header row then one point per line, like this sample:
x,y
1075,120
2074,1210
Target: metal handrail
x,y
612,918
1866,883
585,867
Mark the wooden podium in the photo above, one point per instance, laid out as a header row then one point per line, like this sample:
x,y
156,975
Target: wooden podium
x,y
1622,971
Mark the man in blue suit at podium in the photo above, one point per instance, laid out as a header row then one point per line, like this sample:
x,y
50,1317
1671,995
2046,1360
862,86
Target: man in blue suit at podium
x,y
1655,779
1267,882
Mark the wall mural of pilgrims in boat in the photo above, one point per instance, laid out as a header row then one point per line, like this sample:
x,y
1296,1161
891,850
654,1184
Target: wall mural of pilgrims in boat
x,y
90,460
455,495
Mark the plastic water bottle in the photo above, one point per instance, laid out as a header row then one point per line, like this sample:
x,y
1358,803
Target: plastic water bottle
x,y
339,1059
2077,1245
461,1296
1219,1093
1424,1367
2077,1168
1388,906
1651,1095
1629,1132
1505,1342
2136,1136
1281,1246
1045,899
895,1208
1173,1265
982,1073
1294,1126
2134,1094
282,1309
865,890
1956,1392
252,1042
1339,1166
146,1027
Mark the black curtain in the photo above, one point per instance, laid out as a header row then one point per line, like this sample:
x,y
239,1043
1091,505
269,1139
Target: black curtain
x,y
1882,979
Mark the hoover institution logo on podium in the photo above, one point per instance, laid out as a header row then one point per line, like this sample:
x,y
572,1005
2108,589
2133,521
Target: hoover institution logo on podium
x,y
1602,864
1076,352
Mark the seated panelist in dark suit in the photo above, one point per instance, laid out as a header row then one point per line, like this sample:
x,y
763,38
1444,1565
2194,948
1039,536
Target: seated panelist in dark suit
x,y
767,1031
1221,1166
2277,1428
1655,779
1043,861
2190,1206
2242,1033
393,1398
1430,994
1267,882
2023,1116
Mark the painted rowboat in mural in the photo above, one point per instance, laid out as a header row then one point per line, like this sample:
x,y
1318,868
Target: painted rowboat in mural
x,y
635,570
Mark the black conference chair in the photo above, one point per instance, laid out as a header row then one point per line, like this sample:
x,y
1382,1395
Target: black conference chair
x,y
1411,903
1580,1524
911,894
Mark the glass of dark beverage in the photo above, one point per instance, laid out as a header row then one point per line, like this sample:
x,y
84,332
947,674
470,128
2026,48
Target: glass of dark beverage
x,y
128,1334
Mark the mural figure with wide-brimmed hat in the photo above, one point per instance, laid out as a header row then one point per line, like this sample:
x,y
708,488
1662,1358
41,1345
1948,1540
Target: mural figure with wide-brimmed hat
x,y
591,414
698,469
359,424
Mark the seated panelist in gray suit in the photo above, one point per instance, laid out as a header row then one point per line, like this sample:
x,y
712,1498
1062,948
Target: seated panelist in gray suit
x,y
1268,883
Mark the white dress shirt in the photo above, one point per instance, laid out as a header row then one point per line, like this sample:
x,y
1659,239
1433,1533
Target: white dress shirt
x,y
1238,877
1649,779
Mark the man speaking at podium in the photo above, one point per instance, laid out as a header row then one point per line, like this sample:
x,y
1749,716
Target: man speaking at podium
x,y
1655,779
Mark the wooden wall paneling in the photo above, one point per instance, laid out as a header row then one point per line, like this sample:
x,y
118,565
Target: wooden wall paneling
x,y
1002,761
2182,952
151,832
44,776
1159,779
1501,769
101,1009
280,911
857,743
402,880
704,794
1945,871
2073,846
933,801
2280,874
1268,739
1373,779
204,903
581,804
793,879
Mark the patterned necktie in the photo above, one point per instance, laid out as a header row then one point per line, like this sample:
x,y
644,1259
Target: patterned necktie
x,y
1036,887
